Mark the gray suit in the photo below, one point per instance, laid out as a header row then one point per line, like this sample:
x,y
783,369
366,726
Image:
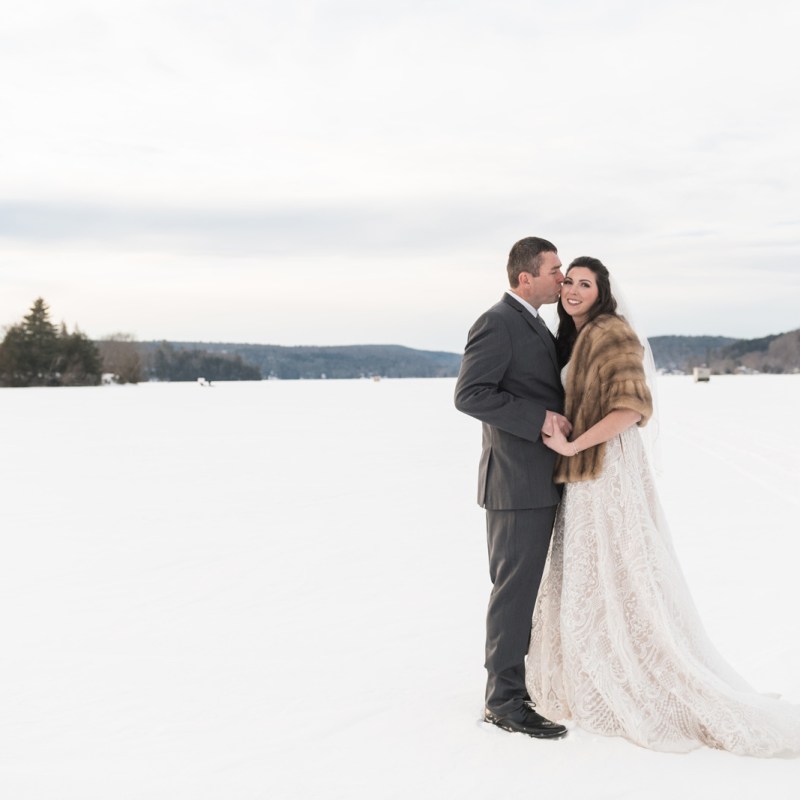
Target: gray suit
x,y
509,378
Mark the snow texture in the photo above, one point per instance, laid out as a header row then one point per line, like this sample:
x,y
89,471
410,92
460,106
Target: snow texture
x,y
277,590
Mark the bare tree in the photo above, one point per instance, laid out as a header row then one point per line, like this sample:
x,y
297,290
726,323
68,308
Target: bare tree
x,y
121,358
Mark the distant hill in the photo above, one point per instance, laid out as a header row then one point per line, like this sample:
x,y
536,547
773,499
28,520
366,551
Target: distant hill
x,y
680,353
354,361
230,361
779,353
776,353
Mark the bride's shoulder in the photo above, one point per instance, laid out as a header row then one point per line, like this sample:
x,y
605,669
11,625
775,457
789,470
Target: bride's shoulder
x,y
611,323
610,330
605,324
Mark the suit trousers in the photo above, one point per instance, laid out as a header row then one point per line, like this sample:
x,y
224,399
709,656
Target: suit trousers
x,y
518,542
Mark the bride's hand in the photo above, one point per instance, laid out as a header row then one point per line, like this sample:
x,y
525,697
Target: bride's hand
x,y
558,442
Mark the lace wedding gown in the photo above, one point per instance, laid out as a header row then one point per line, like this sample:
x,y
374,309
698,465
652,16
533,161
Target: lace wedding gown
x,y
617,644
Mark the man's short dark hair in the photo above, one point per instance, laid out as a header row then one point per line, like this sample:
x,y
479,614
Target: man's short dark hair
x,y
526,256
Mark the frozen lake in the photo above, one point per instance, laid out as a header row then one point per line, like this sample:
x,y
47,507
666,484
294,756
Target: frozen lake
x,y
277,590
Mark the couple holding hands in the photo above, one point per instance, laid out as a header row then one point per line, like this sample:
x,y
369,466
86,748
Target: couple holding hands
x,y
590,618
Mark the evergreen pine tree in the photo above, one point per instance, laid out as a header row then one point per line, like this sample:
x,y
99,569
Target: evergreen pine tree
x,y
29,352
79,362
13,364
34,353
41,345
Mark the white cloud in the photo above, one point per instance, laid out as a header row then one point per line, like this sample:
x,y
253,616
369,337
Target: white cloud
x,y
371,139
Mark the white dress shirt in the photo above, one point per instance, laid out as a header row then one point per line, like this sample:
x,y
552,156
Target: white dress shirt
x,y
524,302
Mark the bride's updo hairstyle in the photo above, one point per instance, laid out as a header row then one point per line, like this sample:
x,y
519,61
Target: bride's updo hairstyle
x,y
606,304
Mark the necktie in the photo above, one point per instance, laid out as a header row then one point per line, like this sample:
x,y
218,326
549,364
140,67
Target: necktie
x,y
542,322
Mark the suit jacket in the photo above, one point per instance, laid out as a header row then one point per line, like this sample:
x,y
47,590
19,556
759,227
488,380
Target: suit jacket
x,y
509,378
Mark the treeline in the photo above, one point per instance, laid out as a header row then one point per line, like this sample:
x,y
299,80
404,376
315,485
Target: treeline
x,y
724,354
168,363
37,353
779,353
129,361
346,361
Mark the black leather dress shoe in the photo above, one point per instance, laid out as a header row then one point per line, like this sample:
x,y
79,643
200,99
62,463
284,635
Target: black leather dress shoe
x,y
527,721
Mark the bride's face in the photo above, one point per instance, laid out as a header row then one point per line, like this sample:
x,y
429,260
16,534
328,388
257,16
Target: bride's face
x,y
579,294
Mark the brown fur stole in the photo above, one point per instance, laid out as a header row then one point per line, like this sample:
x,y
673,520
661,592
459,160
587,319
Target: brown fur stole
x,y
605,373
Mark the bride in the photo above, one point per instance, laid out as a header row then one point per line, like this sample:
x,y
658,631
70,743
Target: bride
x,y
616,642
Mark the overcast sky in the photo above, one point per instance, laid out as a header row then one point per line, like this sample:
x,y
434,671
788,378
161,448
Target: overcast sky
x,y
355,172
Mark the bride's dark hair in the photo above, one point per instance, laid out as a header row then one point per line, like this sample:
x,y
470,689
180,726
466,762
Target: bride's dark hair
x,y
606,304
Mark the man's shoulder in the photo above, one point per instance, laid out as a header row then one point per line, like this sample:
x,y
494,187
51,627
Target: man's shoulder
x,y
505,307
501,317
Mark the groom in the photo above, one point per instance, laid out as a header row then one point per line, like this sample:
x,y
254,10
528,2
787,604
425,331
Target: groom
x,y
510,381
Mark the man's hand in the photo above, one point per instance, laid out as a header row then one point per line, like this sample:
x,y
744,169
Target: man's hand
x,y
551,420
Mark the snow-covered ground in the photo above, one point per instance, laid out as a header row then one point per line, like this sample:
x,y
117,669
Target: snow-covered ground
x,y
277,590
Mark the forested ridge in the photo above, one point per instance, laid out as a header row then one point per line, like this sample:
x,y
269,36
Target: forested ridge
x,y
36,352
